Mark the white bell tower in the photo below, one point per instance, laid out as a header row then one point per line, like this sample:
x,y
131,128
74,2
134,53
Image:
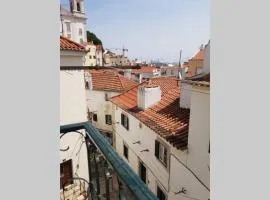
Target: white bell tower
x,y
77,7
77,20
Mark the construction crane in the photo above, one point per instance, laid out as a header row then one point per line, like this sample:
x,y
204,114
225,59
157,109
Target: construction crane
x,y
120,49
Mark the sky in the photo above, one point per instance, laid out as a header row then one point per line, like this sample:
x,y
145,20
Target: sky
x,y
150,29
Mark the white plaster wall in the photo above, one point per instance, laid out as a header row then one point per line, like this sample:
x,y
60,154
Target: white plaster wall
x,y
199,134
96,102
77,152
155,169
71,60
185,95
76,25
90,61
182,177
73,108
156,172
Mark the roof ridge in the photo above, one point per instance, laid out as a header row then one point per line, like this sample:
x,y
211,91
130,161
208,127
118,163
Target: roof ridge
x,y
127,90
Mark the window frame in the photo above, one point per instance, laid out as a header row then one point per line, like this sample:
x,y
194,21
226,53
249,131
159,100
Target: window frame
x,y
68,27
80,32
86,85
78,5
94,115
69,164
127,151
140,172
107,119
162,153
106,96
160,189
125,121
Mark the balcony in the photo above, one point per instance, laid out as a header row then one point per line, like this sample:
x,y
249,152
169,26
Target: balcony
x,y
110,177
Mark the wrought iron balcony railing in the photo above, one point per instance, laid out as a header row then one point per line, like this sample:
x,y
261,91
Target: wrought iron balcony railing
x,y
109,176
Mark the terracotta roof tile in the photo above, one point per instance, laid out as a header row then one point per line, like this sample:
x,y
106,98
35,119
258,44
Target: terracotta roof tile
x,y
202,79
67,44
144,69
110,80
199,55
166,117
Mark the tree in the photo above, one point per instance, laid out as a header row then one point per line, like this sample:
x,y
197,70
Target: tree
x,y
92,37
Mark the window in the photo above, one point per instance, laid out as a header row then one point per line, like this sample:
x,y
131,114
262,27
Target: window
x,y
161,153
94,57
142,172
86,85
125,150
65,173
69,36
108,119
209,147
160,194
106,97
125,121
90,57
80,32
78,7
95,117
81,41
68,26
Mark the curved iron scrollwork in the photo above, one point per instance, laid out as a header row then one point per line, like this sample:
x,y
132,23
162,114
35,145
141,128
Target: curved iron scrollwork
x,y
65,149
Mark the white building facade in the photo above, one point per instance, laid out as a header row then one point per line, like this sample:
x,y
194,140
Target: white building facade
x,y
73,21
101,86
73,109
169,172
91,54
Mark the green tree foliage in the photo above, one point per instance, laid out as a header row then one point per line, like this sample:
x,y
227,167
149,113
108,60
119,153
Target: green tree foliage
x,y
92,37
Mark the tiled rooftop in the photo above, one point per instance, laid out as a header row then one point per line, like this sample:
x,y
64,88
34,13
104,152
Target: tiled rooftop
x,y
202,79
144,69
67,44
110,80
166,117
199,55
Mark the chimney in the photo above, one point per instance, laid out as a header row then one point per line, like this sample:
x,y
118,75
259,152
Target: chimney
x,y
185,95
127,73
148,95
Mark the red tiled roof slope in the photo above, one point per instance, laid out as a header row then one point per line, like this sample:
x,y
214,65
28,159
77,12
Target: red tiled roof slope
x,y
110,80
67,44
166,117
202,79
144,69
199,55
